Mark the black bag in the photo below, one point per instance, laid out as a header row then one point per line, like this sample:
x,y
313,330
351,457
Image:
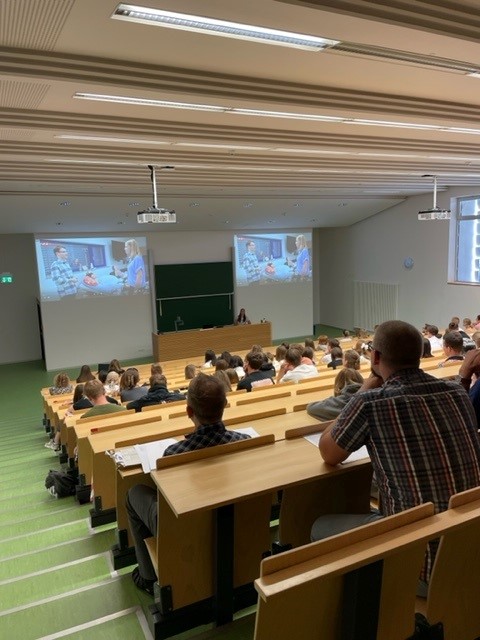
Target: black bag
x,y
60,483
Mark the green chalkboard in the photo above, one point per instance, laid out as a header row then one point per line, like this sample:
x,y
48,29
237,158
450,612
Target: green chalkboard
x,y
200,294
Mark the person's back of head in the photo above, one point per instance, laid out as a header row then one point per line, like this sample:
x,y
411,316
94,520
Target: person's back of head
x,y
323,339
333,342
453,340
309,353
210,356
112,377
336,353
78,393
130,378
226,355
310,343
431,330
115,366
427,349
344,377
453,326
399,344
236,361
455,320
224,379
221,365
476,338
85,374
293,357
102,376
254,359
190,371
280,352
156,367
351,359
158,379
346,333
256,348
61,380
467,323
94,390
206,399
232,376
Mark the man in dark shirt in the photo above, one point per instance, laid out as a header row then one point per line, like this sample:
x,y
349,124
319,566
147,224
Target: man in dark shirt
x,y
253,363
206,401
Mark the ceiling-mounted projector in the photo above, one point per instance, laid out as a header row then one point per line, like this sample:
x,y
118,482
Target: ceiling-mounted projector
x,y
435,213
154,214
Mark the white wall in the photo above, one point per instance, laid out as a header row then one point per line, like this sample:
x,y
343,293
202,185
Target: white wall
x,y
93,333
374,250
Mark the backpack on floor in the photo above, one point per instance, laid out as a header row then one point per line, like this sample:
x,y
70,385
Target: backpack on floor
x,y
60,483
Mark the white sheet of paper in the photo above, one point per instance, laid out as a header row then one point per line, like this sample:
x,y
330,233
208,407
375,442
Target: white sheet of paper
x,y
250,431
360,454
151,451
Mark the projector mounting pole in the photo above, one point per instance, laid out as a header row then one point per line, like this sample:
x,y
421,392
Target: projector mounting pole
x,y
154,185
434,192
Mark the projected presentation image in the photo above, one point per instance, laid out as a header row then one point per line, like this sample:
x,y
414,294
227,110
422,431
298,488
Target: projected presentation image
x,y
76,268
273,258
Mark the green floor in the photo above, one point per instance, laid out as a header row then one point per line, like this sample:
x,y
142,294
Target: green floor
x,y
56,578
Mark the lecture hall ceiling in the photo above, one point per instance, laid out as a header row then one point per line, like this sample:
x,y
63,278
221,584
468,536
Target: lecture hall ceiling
x,y
298,138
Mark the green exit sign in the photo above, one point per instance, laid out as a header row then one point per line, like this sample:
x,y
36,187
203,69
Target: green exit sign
x,y
6,278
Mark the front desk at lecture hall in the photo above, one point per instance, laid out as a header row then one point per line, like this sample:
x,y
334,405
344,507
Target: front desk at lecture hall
x,y
183,344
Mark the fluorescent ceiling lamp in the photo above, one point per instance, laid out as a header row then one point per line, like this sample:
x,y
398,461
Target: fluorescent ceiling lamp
x,y
272,114
106,139
99,97
219,146
211,26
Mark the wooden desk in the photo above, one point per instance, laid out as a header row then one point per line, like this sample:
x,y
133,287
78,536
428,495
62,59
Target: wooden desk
x,y
209,495
183,344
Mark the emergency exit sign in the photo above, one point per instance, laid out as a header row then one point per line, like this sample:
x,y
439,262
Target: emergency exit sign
x,y
6,278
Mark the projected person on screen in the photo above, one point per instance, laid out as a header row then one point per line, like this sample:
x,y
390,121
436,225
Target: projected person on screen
x,y
301,266
250,263
134,275
62,274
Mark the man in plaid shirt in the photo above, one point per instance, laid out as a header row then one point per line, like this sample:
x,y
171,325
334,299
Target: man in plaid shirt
x,y
250,263
62,274
420,432
206,401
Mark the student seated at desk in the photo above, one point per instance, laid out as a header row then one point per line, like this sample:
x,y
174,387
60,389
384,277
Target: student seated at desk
x,y
80,401
254,361
206,401
95,392
129,386
61,385
420,432
293,369
157,394
347,383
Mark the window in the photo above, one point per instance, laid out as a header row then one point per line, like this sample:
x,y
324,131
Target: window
x,y
467,247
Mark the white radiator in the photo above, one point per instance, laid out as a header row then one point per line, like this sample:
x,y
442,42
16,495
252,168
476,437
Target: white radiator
x,y
373,303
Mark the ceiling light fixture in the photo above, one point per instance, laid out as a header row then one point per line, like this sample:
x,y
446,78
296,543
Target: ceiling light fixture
x,y
107,139
273,114
211,26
